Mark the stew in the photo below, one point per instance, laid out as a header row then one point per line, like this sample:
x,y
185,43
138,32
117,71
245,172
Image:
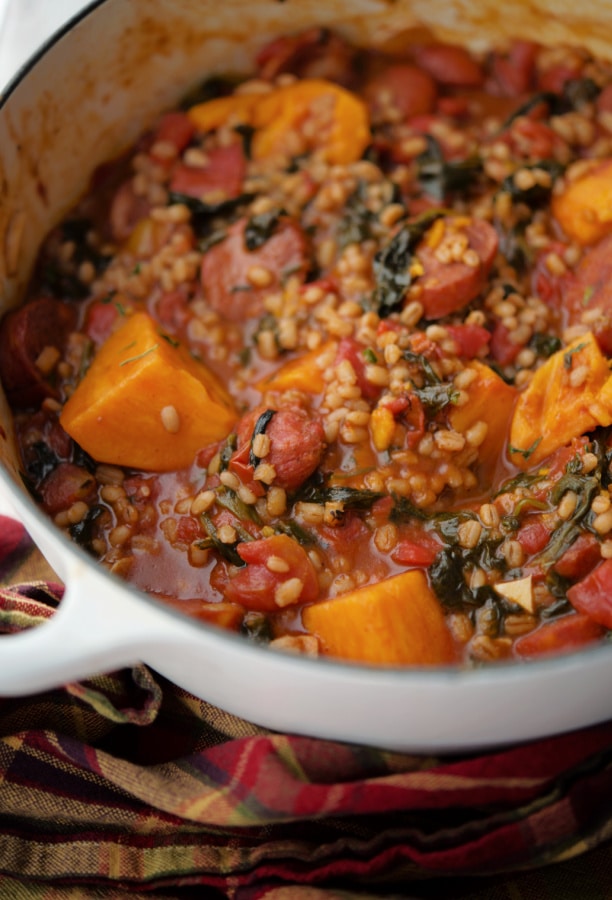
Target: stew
x,y
325,359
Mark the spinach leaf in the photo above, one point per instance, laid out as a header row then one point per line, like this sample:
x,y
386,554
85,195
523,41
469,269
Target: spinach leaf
x,y
260,228
83,532
357,221
351,498
260,428
227,552
392,263
435,397
422,363
203,215
537,194
439,178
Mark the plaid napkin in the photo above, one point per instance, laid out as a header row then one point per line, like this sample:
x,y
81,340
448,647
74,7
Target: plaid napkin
x,y
127,786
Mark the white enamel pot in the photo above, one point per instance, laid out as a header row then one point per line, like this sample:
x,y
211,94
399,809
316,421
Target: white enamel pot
x,y
82,100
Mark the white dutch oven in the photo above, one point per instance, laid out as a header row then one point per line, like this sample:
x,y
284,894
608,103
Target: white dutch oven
x,y
91,92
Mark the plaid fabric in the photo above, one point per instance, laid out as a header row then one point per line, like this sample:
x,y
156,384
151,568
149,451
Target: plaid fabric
x,y
126,786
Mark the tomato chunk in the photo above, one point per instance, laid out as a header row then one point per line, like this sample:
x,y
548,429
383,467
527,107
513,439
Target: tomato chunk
x,y
593,594
278,573
561,635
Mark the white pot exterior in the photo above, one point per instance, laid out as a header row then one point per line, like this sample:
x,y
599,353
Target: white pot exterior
x,y
84,100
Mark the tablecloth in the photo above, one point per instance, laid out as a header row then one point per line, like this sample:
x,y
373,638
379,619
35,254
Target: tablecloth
x,y
127,786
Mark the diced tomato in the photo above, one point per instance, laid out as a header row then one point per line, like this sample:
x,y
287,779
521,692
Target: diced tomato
x,y
351,350
593,594
561,635
471,339
546,285
413,553
579,559
455,107
187,530
271,563
503,350
174,128
414,420
171,308
533,535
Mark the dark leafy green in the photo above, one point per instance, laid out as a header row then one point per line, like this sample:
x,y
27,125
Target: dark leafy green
x,y
440,178
83,532
227,552
537,194
392,264
260,428
205,216
260,228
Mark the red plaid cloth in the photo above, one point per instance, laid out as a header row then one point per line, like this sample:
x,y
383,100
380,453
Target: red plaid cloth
x,y
126,786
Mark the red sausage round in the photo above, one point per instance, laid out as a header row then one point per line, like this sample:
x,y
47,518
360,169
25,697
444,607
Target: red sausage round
x,y
403,87
449,286
450,65
297,443
315,53
24,334
224,172
591,288
126,210
227,265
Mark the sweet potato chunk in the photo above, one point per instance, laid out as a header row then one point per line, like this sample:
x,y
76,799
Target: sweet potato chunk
x,y
146,403
584,208
491,401
280,113
569,395
397,621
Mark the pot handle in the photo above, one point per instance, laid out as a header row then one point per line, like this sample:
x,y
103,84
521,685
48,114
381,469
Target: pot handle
x,y
92,631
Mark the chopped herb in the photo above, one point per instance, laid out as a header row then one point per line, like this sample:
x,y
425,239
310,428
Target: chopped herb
x,y
166,337
230,500
260,428
370,356
424,365
227,451
568,358
294,529
237,288
588,294
529,451
144,353
260,229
